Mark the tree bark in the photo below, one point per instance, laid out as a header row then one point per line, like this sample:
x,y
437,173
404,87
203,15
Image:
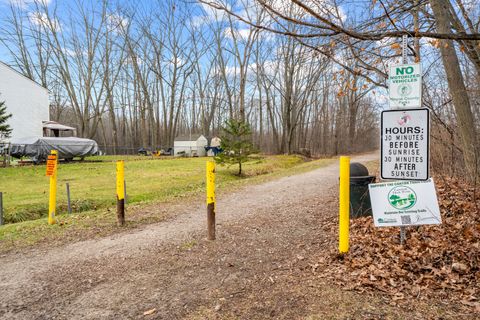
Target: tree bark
x,y
458,91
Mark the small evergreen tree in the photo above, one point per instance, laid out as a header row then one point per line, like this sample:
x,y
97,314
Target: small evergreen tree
x,y
5,129
236,143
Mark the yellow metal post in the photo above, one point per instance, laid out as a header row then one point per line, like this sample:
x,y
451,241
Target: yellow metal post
x,y
52,201
211,199
121,192
344,216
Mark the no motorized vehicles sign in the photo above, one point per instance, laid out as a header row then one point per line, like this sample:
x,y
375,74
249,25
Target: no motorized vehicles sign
x,y
405,86
404,144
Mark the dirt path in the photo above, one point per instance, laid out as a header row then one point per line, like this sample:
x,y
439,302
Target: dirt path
x,y
265,235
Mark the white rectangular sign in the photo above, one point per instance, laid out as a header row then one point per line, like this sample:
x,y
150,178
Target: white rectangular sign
x,y
404,203
405,144
405,86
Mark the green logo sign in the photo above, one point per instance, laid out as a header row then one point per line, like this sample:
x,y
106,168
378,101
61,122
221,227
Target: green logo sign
x,y
404,90
402,198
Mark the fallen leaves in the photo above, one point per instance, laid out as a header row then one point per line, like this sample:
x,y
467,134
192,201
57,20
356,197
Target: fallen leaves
x,y
460,268
436,262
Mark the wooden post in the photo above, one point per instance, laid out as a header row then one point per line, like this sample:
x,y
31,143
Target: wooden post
x,y
211,199
52,164
69,206
1,208
125,190
120,192
344,212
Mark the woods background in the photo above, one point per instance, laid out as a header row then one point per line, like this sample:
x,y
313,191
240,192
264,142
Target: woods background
x,y
307,75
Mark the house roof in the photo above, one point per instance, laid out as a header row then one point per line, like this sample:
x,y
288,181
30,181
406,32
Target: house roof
x,y
189,137
20,74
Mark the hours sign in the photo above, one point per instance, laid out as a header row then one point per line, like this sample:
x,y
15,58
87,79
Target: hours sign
x,y
405,144
405,86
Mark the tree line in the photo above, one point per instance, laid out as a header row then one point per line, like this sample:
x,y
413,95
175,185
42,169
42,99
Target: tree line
x,y
133,76
306,75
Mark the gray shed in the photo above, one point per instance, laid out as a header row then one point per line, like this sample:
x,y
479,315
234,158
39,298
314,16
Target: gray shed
x,y
192,145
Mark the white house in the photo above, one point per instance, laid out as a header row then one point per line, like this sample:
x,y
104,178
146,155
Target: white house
x,y
26,100
192,145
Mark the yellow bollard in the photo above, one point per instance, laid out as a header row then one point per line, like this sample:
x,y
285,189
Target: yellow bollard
x,y
52,164
344,215
121,192
211,199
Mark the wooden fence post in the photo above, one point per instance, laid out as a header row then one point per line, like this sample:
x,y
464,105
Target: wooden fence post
x,y
1,208
69,204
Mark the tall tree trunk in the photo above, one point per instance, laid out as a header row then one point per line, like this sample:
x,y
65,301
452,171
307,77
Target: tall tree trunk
x,y
458,91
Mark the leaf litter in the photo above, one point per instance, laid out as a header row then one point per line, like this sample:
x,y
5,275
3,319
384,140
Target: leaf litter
x,y
437,262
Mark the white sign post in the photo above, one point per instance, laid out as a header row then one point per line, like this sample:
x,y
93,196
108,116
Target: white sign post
x,y
405,85
404,203
405,144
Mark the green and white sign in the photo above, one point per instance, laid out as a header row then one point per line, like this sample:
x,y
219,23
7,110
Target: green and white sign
x,y
405,86
404,203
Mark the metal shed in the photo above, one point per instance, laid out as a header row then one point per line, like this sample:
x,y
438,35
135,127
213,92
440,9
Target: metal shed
x,y
192,145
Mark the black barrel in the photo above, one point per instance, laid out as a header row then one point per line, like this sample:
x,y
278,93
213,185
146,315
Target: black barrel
x,y
360,205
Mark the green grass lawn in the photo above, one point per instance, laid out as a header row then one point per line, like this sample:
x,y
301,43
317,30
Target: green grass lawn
x,y
92,184
92,187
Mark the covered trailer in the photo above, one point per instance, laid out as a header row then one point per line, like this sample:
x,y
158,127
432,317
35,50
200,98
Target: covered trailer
x,y
38,148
